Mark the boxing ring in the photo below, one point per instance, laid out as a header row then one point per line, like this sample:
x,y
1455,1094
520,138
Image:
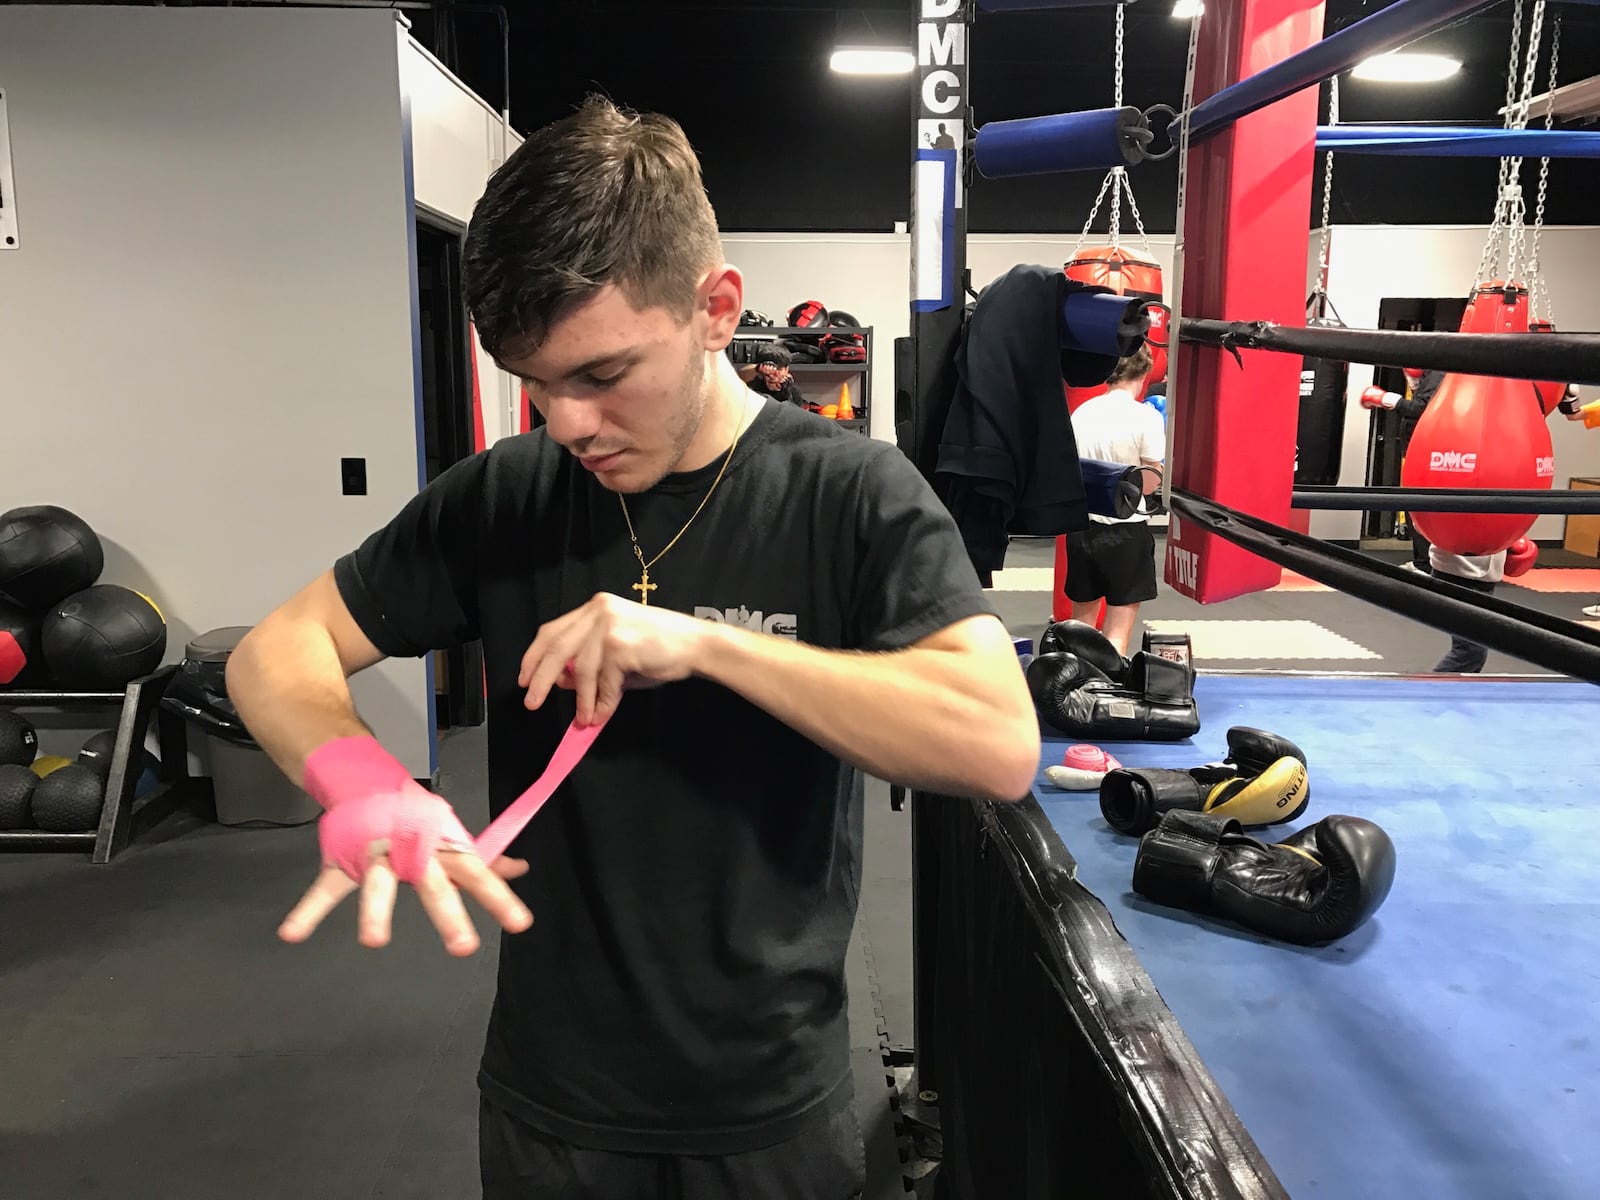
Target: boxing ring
x,y
1074,1039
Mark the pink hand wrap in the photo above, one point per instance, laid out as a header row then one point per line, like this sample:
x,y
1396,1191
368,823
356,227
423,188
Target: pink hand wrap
x,y
374,806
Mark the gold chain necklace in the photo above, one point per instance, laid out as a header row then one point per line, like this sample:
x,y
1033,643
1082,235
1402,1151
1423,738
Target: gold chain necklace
x,y
644,587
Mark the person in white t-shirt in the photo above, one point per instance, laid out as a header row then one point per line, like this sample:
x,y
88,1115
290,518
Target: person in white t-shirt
x,y
1115,559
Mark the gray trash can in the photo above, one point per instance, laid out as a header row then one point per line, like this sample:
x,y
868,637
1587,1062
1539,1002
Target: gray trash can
x,y
250,790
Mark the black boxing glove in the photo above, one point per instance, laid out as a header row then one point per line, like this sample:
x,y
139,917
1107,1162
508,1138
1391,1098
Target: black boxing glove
x,y
1074,697
1088,643
1315,886
1263,781
1250,752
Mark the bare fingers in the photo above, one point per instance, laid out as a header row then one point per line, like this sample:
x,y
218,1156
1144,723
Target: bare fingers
x,y
509,868
443,904
321,898
437,890
486,885
378,887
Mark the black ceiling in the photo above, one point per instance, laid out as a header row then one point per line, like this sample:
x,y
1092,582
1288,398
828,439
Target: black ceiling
x,y
787,145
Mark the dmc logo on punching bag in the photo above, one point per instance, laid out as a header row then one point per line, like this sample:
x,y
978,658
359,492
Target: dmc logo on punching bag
x,y
1545,467
1453,460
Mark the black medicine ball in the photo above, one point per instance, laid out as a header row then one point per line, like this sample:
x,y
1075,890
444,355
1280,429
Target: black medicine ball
x,y
103,637
16,790
19,744
46,554
68,800
97,751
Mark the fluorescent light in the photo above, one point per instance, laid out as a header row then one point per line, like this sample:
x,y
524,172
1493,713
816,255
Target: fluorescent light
x,y
1401,67
1185,10
873,62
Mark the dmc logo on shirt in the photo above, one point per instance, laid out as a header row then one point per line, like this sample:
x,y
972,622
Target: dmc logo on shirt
x,y
1452,460
1545,467
781,624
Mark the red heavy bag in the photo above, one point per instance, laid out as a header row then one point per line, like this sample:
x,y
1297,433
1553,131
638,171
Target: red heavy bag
x,y
1500,307
1496,307
1481,432
1478,432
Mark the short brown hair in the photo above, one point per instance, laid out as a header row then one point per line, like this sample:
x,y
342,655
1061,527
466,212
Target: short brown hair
x,y
602,196
1135,366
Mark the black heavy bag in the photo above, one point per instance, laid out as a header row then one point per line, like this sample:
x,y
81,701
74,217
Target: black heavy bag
x,y
1321,430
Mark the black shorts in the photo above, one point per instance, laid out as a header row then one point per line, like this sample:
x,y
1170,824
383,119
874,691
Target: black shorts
x,y
517,1162
1117,562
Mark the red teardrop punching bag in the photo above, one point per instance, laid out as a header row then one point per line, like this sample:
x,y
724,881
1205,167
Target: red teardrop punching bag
x,y
1481,432
1500,307
1496,307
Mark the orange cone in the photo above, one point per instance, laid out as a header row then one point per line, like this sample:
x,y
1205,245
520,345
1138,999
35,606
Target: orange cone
x,y
846,412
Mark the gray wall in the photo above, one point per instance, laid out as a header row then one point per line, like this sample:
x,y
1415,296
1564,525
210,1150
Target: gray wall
x,y
211,302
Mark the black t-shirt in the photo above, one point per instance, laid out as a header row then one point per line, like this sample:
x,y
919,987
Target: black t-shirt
x,y
694,881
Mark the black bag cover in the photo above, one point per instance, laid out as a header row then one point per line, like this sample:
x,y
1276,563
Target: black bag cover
x,y
1320,436
199,694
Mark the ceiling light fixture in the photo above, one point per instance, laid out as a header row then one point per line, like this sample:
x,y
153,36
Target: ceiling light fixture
x,y
1401,67
1185,10
872,62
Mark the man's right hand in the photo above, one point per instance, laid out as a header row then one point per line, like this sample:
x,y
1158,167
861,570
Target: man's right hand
x,y
381,829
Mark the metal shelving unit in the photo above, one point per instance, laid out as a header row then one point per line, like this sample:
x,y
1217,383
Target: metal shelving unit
x,y
829,373
138,703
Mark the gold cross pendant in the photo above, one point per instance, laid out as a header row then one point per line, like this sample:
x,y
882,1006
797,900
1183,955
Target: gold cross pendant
x,y
644,587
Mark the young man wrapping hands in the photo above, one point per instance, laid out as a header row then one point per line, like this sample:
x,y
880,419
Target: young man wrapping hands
x,y
757,605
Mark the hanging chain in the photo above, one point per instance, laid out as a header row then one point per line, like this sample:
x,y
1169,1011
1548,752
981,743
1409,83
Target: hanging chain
x,y
1116,181
1138,221
1515,266
1490,258
1539,290
1327,190
1116,78
1094,210
1175,351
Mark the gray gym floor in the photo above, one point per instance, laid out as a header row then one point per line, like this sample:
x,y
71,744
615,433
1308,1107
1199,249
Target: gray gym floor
x,y
158,1043
1291,622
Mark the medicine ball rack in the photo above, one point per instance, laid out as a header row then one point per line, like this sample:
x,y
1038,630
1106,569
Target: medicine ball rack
x,y
835,373
138,703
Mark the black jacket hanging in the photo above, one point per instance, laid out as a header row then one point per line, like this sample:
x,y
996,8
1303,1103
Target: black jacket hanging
x,y
1008,462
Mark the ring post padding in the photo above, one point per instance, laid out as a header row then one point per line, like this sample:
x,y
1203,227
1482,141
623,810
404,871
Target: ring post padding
x,y
1401,22
1246,239
1096,140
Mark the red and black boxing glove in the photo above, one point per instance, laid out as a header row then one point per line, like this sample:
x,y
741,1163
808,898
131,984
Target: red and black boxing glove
x,y
1520,557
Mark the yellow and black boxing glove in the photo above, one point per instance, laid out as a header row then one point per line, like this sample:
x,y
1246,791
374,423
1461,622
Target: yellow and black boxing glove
x,y
1263,781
